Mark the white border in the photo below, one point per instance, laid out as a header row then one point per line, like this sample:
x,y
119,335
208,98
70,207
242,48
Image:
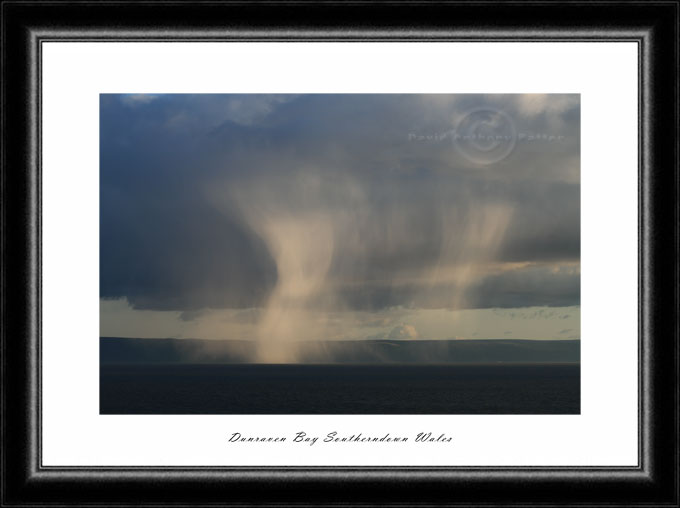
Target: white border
x,y
605,74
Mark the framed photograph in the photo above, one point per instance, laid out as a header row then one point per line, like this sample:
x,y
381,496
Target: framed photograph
x,y
357,254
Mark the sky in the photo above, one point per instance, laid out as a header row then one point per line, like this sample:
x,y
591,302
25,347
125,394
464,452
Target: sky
x,y
285,218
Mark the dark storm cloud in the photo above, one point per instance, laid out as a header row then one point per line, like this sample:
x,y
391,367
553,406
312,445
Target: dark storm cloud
x,y
529,287
162,246
200,194
522,287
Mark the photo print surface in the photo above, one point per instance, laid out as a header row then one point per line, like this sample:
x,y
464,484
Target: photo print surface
x,y
339,254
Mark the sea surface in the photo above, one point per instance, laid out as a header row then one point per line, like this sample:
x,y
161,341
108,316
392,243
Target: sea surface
x,y
340,389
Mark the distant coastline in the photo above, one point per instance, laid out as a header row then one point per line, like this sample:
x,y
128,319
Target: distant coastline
x,y
118,350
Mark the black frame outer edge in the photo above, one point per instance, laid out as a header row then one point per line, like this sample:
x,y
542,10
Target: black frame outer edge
x,y
25,25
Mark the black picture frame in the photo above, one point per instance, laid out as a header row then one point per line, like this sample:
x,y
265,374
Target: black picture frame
x,y
653,25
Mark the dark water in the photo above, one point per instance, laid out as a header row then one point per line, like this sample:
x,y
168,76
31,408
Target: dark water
x,y
340,389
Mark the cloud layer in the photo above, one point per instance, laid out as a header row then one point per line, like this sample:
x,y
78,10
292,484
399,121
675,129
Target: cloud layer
x,y
338,202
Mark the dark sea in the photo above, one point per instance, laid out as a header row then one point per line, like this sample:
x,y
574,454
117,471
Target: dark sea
x,y
340,389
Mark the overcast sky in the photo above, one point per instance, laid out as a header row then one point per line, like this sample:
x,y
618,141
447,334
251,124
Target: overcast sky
x,y
340,216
